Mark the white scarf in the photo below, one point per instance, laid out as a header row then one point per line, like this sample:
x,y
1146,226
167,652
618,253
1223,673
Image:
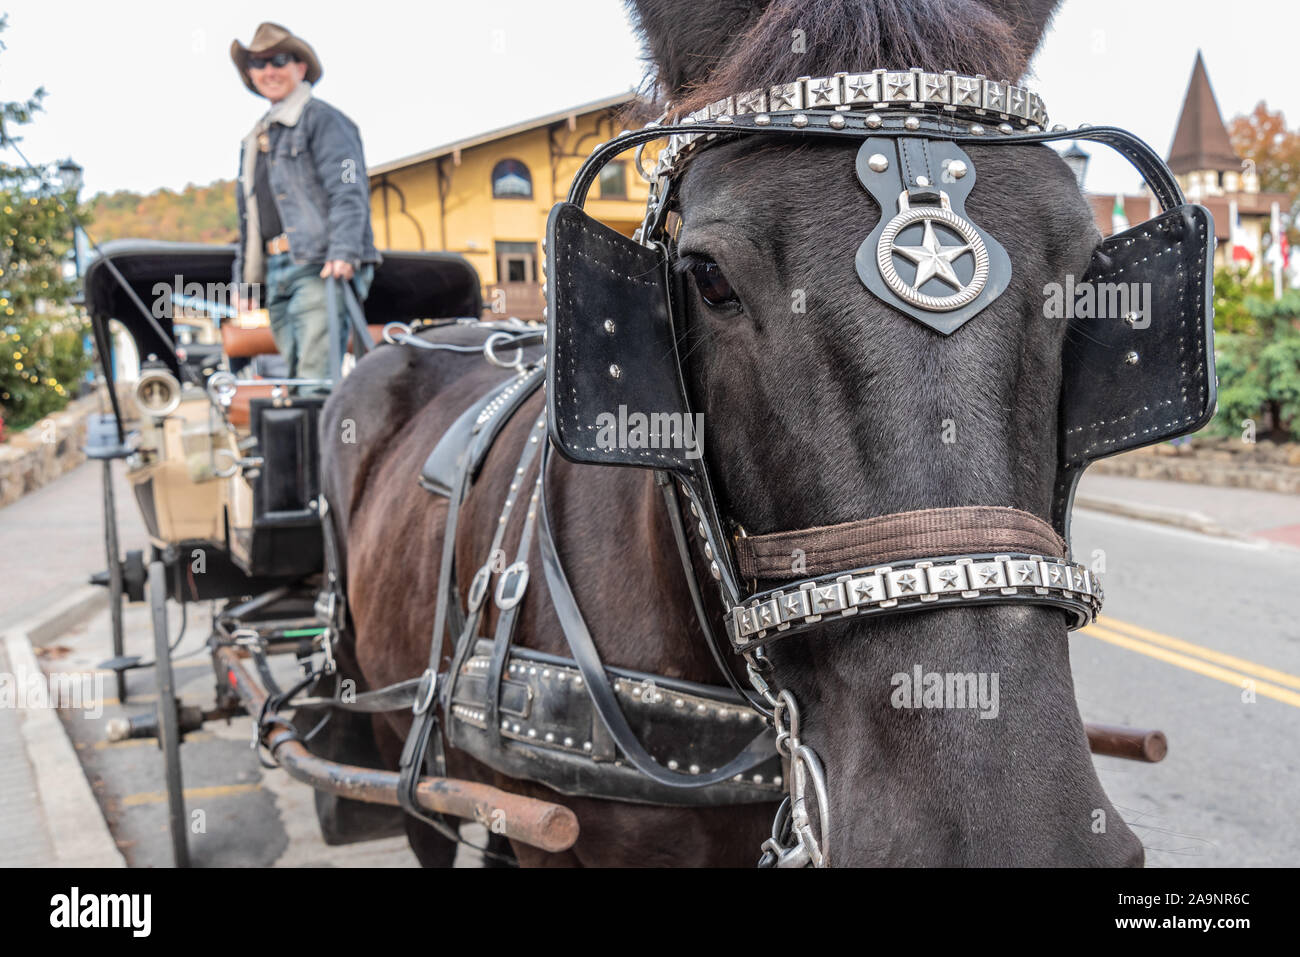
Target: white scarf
x,y
287,113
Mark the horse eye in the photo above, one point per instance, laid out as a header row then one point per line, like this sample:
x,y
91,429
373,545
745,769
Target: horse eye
x,y
715,289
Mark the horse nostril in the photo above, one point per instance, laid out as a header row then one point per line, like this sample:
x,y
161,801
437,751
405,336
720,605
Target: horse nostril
x,y
1137,856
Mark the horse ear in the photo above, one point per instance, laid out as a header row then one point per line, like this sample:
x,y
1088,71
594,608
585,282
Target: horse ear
x,y
1028,20
687,39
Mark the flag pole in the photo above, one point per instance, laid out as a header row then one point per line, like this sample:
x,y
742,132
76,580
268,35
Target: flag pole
x,y
1275,226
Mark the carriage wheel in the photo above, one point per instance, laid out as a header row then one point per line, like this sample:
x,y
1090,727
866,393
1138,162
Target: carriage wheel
x,y
168,716
114,574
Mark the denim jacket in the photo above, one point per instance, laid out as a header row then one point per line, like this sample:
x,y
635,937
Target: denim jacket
x,y
318,179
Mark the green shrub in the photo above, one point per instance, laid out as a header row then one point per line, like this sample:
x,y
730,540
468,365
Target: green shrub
x,y
42,360
1258,358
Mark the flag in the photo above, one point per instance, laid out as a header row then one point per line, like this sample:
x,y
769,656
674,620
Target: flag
x,y
1118,221
1237,238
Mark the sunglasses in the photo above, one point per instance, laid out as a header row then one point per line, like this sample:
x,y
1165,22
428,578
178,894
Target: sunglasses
x,y
279,60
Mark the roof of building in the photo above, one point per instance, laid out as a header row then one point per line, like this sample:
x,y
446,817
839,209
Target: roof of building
x,y
1138,209
1201,140
609,102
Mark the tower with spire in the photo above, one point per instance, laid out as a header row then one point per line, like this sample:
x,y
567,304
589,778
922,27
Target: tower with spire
x,y
1211,173
1202,156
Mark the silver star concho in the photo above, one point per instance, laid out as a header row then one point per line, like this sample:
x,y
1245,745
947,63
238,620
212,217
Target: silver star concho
x,y
933,260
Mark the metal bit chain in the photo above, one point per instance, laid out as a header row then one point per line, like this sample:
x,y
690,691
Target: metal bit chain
x,y
793,842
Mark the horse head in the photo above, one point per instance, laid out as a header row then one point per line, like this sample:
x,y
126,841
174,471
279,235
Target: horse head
x,y
826,403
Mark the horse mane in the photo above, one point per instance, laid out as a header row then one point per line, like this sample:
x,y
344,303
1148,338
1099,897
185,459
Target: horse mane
x,y
793,38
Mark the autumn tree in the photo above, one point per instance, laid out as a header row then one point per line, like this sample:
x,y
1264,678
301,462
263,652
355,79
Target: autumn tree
x,y
1262,137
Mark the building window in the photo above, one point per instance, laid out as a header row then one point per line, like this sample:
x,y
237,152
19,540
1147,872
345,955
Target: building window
x,y
511,180
613,181
516,262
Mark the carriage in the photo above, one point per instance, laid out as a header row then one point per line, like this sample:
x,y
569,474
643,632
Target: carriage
x,y
220,452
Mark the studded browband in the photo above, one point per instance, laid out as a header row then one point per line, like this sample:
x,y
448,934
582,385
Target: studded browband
x,y
949,93
987,555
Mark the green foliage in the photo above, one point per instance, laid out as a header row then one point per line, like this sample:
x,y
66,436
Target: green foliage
x,y
1259,368
40,347
1232,288
42,358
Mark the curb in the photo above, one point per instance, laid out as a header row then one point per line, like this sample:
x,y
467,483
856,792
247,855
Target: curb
x,y
64,614
76,827
1192,521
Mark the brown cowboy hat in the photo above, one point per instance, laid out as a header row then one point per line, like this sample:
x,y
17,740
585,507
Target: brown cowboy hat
x,y
273,38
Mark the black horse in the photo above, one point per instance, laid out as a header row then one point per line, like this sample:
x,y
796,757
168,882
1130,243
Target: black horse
x,y
833,412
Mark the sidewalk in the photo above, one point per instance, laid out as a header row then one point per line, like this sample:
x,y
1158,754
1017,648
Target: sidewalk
x,y
51,541
1214,510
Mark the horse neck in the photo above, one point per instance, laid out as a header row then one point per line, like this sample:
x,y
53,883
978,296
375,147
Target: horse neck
x,y
616,540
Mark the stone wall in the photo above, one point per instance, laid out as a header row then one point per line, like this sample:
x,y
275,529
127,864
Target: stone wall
x,y
1213,461
40,454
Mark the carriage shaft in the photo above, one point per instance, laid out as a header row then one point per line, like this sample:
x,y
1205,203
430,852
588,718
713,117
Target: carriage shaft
x,y
541,824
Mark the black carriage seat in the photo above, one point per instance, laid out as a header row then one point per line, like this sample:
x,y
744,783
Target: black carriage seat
x,y
468,436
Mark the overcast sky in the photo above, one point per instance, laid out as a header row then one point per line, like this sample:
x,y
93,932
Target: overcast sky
x,y
143,94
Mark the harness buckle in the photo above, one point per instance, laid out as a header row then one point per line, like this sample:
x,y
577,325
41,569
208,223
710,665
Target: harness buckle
x,y
516,577
479,586
424,692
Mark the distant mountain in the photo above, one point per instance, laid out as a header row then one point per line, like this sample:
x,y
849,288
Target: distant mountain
x,y
201,214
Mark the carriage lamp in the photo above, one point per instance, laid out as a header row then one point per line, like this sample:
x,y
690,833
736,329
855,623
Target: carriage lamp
x,y
1077,159
158,393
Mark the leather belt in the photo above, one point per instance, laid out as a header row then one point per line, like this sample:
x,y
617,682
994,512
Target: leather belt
x,y
280,244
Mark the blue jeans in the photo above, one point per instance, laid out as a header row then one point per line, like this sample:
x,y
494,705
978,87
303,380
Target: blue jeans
x,y
295,300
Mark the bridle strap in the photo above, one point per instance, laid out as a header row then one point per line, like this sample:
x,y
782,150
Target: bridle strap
x,y
898,537
599,687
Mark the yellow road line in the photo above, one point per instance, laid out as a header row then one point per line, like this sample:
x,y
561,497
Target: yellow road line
x,y
1195,664
1209,654
191,794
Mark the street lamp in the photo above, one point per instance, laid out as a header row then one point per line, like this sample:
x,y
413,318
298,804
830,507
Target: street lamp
x,y
71,175
1077,160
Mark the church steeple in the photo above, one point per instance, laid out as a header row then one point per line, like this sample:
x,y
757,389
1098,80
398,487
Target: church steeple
x,y
1201,141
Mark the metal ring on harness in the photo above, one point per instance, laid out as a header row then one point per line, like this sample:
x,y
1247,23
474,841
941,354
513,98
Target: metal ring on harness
x,y
424,694
490,347
478,588
390,328
517,576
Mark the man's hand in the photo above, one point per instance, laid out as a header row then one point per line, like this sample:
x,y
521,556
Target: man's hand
x,y
338,268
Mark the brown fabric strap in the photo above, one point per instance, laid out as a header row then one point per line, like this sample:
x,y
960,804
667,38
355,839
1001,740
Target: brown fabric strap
x,y
898,537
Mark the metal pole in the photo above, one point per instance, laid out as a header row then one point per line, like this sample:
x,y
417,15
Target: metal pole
x,y
114,574
1275,249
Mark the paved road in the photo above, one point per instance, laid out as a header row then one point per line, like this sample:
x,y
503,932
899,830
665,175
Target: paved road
x,y
1228,794
1188,620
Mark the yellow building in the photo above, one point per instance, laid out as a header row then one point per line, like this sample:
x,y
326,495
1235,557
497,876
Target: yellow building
x,y
487,197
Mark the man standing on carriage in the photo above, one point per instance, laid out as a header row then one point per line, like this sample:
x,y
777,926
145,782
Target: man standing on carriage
x,y
304,200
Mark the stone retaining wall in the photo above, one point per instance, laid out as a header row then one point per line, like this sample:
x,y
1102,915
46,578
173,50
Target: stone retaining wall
x,y
1265,466
40,454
